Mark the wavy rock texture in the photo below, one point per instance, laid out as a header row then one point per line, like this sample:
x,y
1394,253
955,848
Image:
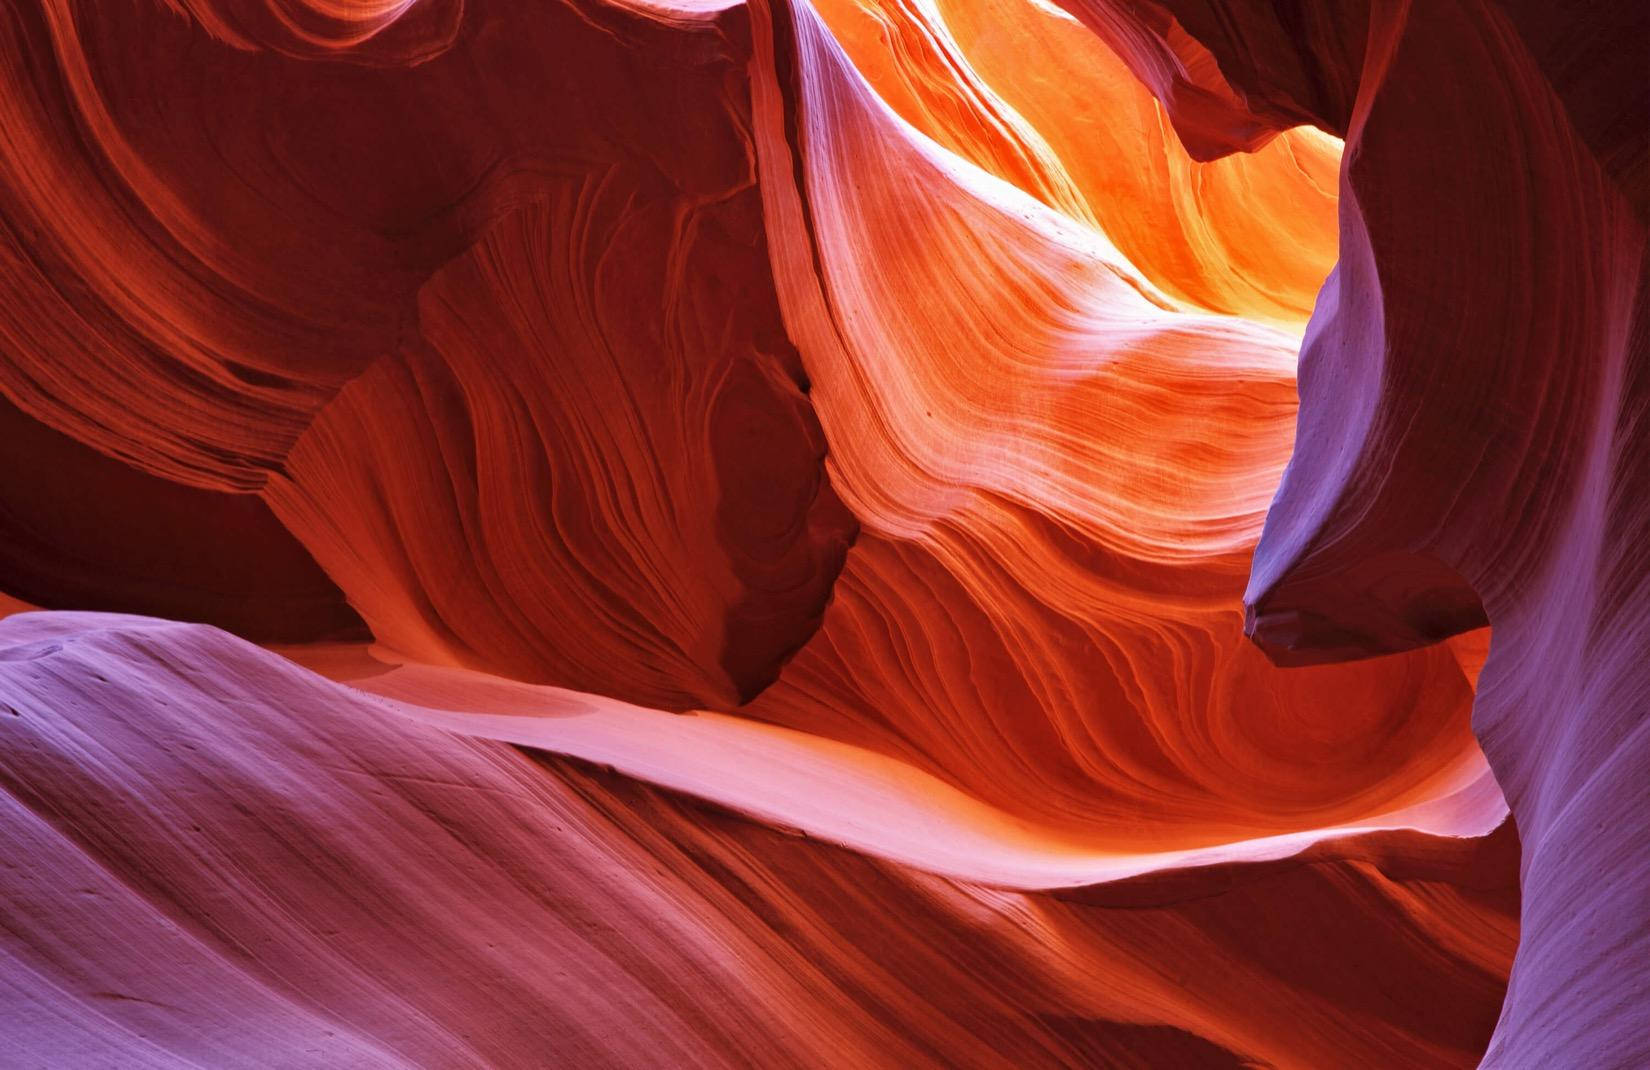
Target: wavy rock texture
x,y
897,388
1051,109
203,255
1086,667
231,857
1473,388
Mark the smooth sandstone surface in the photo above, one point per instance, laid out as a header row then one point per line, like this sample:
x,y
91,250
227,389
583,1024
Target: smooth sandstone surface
x,y
794,533
234,862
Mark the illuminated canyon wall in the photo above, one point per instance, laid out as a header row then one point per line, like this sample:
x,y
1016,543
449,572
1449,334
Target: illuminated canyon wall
x,y
957,533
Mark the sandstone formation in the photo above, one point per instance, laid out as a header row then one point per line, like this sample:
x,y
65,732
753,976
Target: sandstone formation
x,y
799,532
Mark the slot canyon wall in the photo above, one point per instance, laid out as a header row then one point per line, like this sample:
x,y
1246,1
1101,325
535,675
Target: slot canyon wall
x,y
958,533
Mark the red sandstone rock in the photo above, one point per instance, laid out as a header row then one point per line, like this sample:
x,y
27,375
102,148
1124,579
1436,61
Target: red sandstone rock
x,y
571,345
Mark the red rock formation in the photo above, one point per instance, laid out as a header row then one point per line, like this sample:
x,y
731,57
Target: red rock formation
x,y
1049,108
203,252
531,488
572,345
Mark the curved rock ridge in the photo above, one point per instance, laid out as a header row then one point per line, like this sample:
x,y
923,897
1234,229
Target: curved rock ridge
x,y
845,794
384,893
1471,432
200,244
529,490
377,32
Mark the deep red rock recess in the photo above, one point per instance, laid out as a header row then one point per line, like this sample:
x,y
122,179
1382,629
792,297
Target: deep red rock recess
x,y
748,507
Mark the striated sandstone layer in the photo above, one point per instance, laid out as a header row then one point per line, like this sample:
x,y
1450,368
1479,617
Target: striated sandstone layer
x,y
750,506
243,271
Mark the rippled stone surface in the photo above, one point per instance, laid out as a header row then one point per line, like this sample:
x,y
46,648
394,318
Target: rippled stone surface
x,y
789,533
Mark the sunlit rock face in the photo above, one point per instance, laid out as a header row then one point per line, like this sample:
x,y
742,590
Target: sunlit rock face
x,y
1066,474
907,394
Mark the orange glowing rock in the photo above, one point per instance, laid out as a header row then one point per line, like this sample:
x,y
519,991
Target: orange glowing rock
x,y
1059,478
1048,107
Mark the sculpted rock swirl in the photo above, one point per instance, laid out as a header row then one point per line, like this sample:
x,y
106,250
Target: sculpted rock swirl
x,y
791,533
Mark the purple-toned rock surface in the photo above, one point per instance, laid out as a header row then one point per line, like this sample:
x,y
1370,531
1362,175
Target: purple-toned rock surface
x,y
1473,443
210,856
